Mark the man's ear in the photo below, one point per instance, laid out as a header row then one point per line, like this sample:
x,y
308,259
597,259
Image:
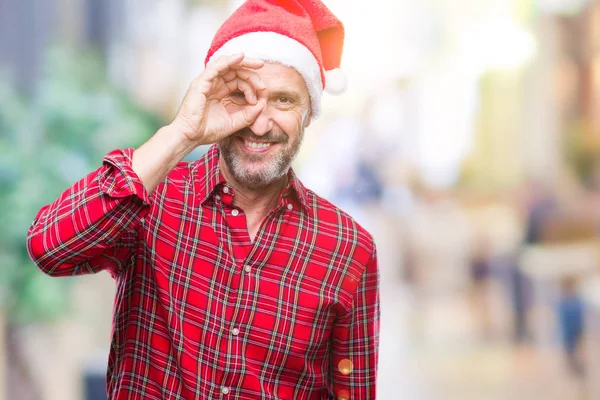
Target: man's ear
x,y
308,119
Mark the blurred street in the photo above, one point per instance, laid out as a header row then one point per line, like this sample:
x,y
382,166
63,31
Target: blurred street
x,y
435,352
443,347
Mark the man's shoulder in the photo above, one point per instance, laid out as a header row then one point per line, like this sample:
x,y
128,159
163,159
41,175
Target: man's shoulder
x,y
184,169
181,174
190,173
332,221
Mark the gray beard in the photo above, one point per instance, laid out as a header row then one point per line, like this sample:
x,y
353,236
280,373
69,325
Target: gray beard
x,y
272,171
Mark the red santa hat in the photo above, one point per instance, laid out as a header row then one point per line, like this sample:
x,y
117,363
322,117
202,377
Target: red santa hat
x,y
302,34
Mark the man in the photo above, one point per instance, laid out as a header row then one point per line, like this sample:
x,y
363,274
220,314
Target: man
x,y
233,279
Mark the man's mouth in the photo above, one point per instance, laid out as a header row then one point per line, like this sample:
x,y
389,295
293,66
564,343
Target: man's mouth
x,y
253,146
257,145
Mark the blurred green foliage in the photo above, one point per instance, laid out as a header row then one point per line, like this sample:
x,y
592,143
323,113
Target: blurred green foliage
x,y
47,142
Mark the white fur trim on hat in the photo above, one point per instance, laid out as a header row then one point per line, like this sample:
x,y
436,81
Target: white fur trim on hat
x,y
271,46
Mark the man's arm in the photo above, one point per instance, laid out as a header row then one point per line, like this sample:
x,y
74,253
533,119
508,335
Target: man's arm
x,y
93,225
355,341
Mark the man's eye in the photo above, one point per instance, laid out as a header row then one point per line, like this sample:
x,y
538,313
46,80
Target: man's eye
x,y
238,97
284,100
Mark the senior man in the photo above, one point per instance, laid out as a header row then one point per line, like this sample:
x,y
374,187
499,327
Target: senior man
x,y
234,281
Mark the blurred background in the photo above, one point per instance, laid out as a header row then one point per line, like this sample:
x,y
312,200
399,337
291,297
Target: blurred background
x,y
468,143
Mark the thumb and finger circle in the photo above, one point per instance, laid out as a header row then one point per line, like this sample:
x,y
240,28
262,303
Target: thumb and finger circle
x,y
235,73
246,116
235,78
241,85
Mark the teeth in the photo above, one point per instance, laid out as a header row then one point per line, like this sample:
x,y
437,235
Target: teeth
x,y
254,145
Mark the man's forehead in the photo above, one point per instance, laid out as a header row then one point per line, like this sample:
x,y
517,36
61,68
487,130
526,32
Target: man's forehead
x,y
282,76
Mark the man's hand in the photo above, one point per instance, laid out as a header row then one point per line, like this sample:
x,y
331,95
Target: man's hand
x,y
202,117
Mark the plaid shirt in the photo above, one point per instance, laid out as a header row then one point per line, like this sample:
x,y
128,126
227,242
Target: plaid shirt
x,y
201,311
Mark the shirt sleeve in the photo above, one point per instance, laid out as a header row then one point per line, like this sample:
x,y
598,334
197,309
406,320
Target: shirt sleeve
x,y
92,226
355,341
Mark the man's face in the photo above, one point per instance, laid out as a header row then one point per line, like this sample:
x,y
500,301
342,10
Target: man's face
x,y
263,152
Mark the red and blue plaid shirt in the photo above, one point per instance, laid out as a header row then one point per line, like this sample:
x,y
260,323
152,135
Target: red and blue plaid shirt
x,y
203,312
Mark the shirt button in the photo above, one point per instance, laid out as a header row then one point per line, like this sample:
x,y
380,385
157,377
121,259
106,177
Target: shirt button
x,y
290,206
218,197
247,268
235,331
235,213
225,390
226,189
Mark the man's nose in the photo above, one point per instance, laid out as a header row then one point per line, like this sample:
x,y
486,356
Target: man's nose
x,y
263,123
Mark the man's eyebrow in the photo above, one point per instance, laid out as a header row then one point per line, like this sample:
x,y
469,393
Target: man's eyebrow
x,y
286,93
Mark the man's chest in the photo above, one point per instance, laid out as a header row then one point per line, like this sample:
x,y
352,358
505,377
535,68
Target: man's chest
x,y
278,294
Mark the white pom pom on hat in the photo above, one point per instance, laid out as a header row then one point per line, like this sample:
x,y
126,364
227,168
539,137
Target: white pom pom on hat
x,y
336,81
302,34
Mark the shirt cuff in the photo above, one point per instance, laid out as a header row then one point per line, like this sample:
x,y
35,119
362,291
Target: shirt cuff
x,y
118,179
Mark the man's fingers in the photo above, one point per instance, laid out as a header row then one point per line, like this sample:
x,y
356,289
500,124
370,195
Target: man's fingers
x,y
252,63
229,75
252,77
224,66
248,91
241,85
233,71
244,75
220,66
246,116
224,63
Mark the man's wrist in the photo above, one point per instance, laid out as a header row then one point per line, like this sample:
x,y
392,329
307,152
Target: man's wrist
x,y
176,137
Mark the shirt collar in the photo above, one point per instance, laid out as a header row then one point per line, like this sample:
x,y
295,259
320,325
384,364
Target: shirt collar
x,y
298,188
207,182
